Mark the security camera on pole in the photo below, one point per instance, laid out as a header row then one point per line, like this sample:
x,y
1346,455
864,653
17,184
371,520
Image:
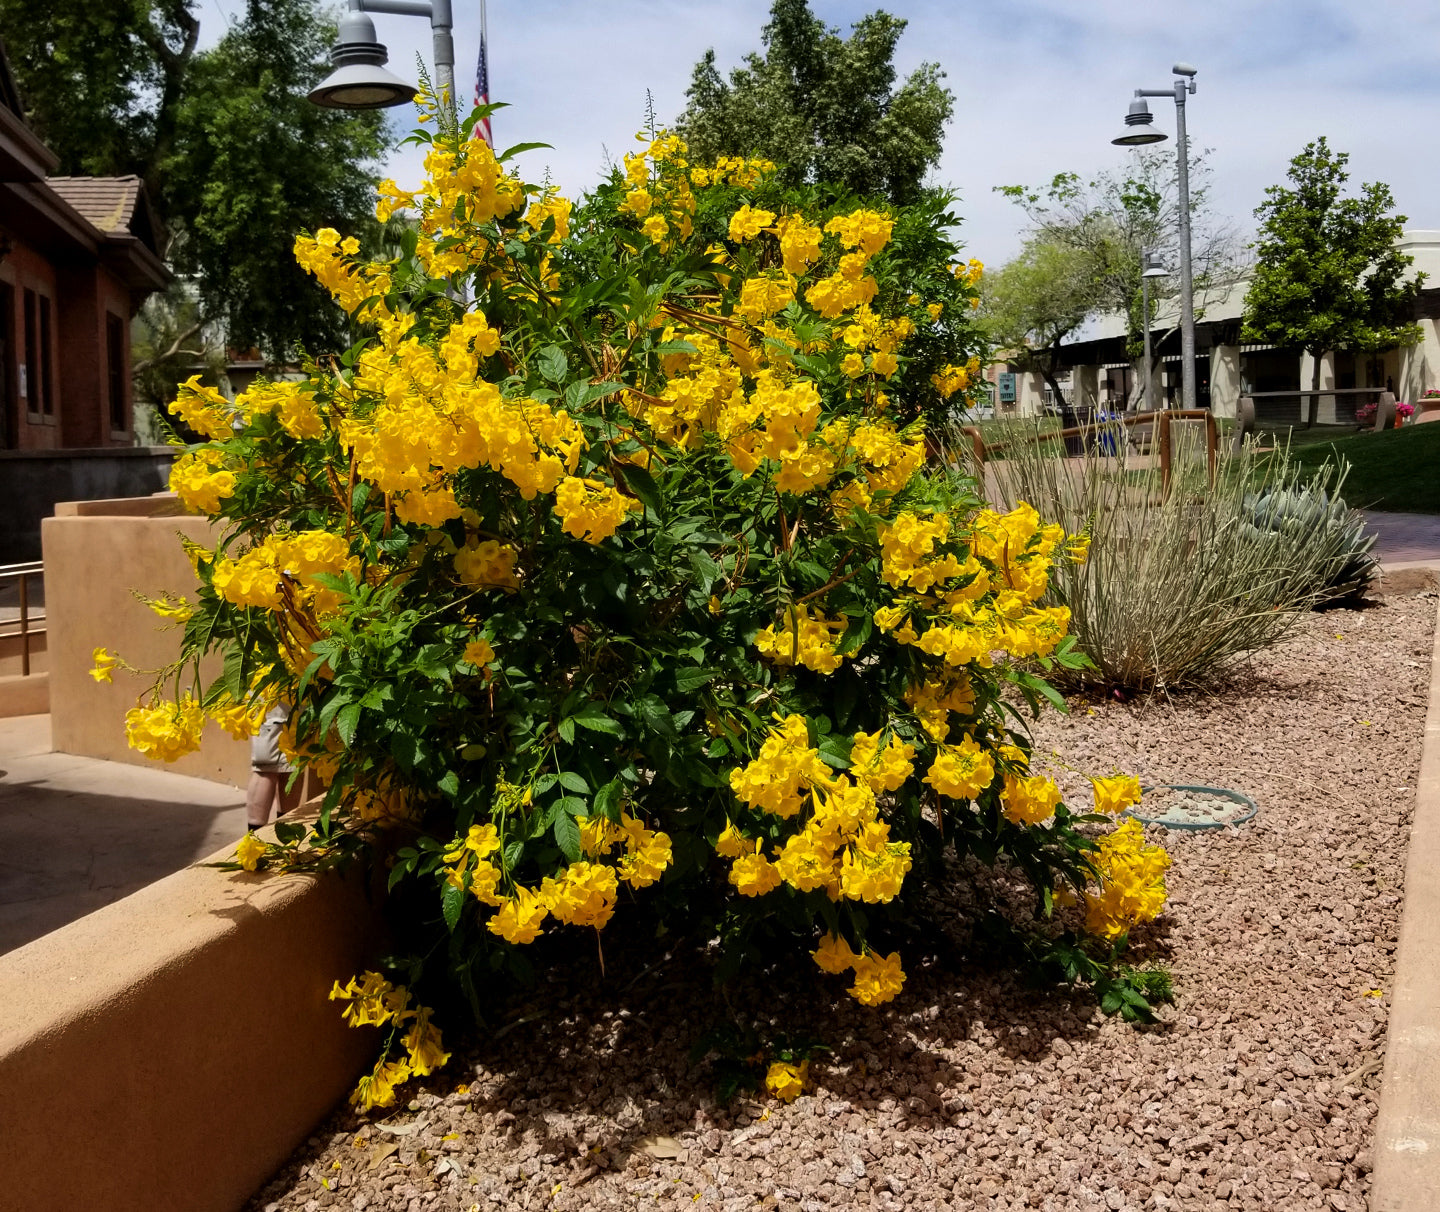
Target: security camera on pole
x,y
1139,132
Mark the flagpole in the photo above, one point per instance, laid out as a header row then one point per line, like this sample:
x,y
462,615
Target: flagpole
x,y
482,75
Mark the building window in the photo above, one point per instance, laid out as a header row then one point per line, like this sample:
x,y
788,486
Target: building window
x,y
29,380
115,363
36,385
47,396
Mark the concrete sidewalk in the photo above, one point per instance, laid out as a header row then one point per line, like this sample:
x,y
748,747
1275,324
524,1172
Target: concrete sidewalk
x,y
77,833
1404,538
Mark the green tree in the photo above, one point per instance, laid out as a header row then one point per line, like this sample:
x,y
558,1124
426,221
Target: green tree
x,y
1029,307
1328,274
1110,221
231,153
102,81
824,107
256,163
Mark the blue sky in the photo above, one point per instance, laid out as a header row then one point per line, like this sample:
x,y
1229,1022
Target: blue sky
x,y
1040,86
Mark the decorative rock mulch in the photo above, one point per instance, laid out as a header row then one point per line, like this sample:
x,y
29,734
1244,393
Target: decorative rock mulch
x,y
1257,1090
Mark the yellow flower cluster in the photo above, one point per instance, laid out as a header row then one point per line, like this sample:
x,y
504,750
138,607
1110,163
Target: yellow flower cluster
x,y
259,576
738,171
950,379
356,286
878,978
1132,882
201,480
786,1081
584,893
550,206
971,603
1114,795
842,845
249,850
805,639
591,510
204,409
487,565
1029,799
373,1001
962,771
105,662
658,189
292,404
169,606
240,720
166,731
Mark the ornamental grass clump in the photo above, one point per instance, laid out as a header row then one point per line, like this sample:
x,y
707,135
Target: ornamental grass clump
x,y
605,576
1181,584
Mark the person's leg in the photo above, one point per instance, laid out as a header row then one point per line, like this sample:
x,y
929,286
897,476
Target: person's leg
x,y
259,796
287,799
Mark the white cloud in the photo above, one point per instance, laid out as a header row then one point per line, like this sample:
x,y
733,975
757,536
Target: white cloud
x,y
1041,86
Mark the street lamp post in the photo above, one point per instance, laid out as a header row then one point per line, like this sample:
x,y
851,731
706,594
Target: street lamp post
x,y
1138,132
360,80
1150,267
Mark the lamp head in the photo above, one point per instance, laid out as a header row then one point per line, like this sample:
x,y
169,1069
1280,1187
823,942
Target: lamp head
x,y
360,80
1138,130
1153,266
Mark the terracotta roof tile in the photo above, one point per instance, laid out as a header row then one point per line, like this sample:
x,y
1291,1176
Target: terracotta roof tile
x,y
106,202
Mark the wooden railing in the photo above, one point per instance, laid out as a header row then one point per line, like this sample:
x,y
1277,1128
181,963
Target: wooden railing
x,y
1162,439
22,574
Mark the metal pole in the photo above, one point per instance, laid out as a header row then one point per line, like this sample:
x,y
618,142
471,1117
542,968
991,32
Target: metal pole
x,y
441,26
1187,301
1145,319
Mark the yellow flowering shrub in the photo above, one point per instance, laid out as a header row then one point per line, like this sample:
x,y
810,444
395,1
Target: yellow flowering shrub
x,y
603,567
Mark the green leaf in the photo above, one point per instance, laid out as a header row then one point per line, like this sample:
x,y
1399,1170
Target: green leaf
x,y
643,485
567,836
518,148
452,901
347,721
573,782
834,750
288,832
553,363
607,800
687,681
593,717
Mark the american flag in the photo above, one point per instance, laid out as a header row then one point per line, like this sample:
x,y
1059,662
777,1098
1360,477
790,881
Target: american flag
x,y
482,83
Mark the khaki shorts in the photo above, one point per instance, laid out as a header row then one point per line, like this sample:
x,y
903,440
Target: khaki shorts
x,y
265,755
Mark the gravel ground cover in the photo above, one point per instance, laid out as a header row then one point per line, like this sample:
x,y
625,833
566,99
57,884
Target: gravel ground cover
x,y
971,1091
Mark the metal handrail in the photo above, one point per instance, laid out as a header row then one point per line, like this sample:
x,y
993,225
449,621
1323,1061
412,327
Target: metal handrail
x,y
21,573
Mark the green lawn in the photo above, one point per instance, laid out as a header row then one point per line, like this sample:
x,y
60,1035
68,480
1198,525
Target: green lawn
x,y
1398,469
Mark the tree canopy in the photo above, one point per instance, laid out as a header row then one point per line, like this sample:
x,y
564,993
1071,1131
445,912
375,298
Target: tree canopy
x,y
823,107
1103,227
1031,305
234,157
1328,272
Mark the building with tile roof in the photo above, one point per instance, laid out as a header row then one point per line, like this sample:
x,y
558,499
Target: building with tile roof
x,y
78,256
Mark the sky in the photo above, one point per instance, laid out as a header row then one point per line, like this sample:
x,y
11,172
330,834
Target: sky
x,y
1041,86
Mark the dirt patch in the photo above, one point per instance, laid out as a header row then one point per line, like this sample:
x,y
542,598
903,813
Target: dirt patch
x,y
1257,1091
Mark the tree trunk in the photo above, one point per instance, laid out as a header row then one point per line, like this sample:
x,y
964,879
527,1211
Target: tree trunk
x,y
1314,388
1047,372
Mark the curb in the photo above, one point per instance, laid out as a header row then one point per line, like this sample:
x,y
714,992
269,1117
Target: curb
x,y
1406,1153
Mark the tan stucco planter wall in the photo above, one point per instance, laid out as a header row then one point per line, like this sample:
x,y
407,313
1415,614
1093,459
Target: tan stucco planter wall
x,y
170,1050
1406,1175
25,695
93,561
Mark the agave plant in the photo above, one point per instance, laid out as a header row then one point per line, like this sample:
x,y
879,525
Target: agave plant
x,y
1310,517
